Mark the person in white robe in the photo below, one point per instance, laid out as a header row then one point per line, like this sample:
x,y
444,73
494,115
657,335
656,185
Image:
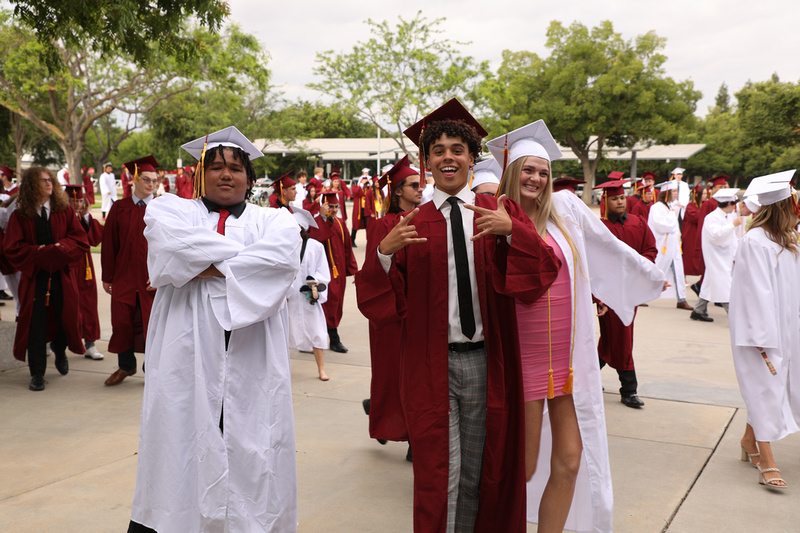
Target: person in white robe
x,y
216,443
663,222
108,189
679,203
719,243
596,261
307,329
765,324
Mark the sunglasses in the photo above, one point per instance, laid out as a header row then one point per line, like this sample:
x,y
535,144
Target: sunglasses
x,y
414,185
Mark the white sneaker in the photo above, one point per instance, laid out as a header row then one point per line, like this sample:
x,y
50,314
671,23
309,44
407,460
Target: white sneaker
x,y
92,353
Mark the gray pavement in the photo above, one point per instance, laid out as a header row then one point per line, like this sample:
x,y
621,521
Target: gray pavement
x,y
69,453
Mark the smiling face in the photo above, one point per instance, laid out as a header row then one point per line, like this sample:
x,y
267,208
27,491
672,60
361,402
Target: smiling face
x,y
409,195
145,184
449,162
226,179
533,178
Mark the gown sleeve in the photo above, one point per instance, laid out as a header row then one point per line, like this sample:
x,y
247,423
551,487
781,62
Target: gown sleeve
x,y
662,220
754,308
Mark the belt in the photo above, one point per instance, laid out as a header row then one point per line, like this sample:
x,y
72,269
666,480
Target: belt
x,y
461,347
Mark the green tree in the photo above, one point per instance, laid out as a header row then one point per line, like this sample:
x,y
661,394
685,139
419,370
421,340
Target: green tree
x,y
594,90
118,27
769,112
399,75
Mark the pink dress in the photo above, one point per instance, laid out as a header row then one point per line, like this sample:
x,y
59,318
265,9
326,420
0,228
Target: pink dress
x,y
534,347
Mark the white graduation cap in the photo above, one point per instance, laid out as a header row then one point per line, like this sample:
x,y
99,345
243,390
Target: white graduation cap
x,y
304,218
678,170
230,136
752,203
365,169
771,188
486,171
534,139
726,195
386,168
668,185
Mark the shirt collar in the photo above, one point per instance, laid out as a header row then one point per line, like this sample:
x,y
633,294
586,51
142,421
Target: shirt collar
x,y
46,205
235,209
621,219
465,195
136,199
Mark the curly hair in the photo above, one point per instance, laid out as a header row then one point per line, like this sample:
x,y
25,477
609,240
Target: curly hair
x,y
28,198
452,129
238,153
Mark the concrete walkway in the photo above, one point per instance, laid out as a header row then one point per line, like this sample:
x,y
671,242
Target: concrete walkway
x,y
68,454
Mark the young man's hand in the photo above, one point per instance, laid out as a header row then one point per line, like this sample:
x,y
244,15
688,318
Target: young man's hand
x,y
401,235
492,222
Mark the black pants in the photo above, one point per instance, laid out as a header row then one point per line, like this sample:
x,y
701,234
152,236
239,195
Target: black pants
x,y
627,380
37,335
135,527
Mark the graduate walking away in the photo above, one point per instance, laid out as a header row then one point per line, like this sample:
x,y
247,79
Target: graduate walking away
x,y
452,269
43,241
125,276
216,446
765,329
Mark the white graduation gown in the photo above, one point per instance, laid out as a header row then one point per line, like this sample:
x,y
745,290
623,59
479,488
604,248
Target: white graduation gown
x,y
719,244
664,224
765,313
622,279
191,476
307,329
108,191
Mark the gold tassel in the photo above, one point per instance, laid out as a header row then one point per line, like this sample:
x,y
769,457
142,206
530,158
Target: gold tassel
x,y
471,176
550,386
568,385
88,269
551,393
334,270
664,249
199,187
47,294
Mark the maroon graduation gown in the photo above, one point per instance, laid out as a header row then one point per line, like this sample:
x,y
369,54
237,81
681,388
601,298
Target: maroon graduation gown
x,y
88,189
19,245
126,179
339,251
124,260
615,345
707,207
184,186
386,418
87,281
312,206
635,205
416,290
692,255
359,203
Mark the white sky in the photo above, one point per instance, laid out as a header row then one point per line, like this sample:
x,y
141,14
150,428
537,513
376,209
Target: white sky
x,y
708,41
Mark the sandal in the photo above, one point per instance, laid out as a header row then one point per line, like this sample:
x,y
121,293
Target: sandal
x,y
771,483
749,457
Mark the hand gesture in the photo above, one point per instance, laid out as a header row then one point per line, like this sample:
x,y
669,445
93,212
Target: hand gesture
x,y
492,222
401,235
601,309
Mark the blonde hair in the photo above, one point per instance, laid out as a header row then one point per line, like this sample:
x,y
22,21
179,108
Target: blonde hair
x,y
545,210
778,221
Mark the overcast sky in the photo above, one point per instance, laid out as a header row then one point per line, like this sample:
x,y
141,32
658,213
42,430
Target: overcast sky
x,y
708,41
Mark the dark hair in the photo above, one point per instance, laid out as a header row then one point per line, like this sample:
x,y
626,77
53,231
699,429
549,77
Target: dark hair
x,y
723,205
453,129
394,199
241,155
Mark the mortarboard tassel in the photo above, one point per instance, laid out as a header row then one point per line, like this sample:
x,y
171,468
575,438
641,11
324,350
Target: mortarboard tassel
x,y
505,156
769,363
605,205
471,177
550,386
47,294
199,189
334,270
88,269
135,172
664,249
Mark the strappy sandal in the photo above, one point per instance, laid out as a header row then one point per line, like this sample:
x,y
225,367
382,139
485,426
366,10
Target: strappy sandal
x,y
771,483
749,457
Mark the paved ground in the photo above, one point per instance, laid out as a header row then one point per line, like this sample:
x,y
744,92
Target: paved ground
x,y
68,454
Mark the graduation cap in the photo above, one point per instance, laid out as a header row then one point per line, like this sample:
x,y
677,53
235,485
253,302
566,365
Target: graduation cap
x,y
616,175
720,179
486,171
7,172
561,184
532,139
667,185
648,174
108,164
771,188
726,195
331,198
304,218
677,170
74,191
399,171
611,188
450,110
284,182
143,164
752,203
334,172
230,137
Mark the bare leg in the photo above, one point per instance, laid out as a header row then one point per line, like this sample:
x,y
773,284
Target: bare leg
x,y
564,464
768,461
319,356
749,444
533,433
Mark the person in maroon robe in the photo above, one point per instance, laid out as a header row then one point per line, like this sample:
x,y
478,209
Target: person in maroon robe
x,y
475,425
285,192
84,271
384,408
612,176
615,346
125,276
359,206
311,202
43,240
714,184
342,192
332,233
6,180
689,233
560,184
184,183
88,187
126,179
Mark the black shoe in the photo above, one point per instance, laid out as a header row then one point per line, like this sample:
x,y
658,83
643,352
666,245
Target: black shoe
x,y
718,304
62,363
408,455
338,347
365,405
354,245
701,318
37,383
382,442
632,401
5,296
696,288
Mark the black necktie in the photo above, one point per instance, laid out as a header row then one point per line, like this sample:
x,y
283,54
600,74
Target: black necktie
x,y
462,269
44,213
141,203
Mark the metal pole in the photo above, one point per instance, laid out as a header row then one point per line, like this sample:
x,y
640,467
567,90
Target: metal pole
x,y
378,170
633,164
